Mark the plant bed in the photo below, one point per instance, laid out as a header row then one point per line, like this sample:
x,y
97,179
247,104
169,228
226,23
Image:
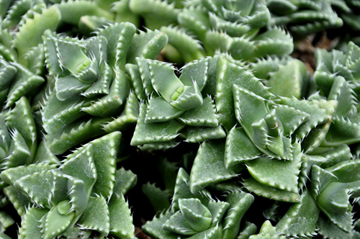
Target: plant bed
x,y
179,119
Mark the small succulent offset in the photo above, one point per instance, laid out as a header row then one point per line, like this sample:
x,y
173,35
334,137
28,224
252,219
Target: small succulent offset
x,y
197,215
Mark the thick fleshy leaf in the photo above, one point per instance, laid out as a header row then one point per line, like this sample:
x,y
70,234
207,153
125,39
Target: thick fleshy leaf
x,y
320,112
159,145
273,42
77,195
104,156
156,132
102,85
159,199
68,87
159,110
155,227
110,103
84,161
245,102
290,118
164,80
228,97
178,224
182,190
330,230
201,134
121,223
188,47
21,119
28,37
211,233
19,153
195,71
18,198
119,38
5,138
239,148
38,186
128,117
55,223
31,224
282,174
301,217
57,114
270,192
208,167
44,155
75,134
267,231
239,202
198,216
12,175
96,216
134,76
204,115
189,97
218,210
124,181
146,45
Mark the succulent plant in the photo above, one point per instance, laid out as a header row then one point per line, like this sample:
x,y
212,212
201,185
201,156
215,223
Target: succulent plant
x,y
197,215
64,200
305,17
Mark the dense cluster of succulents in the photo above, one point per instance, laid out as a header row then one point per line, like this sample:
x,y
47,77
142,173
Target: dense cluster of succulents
x,y
84,92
